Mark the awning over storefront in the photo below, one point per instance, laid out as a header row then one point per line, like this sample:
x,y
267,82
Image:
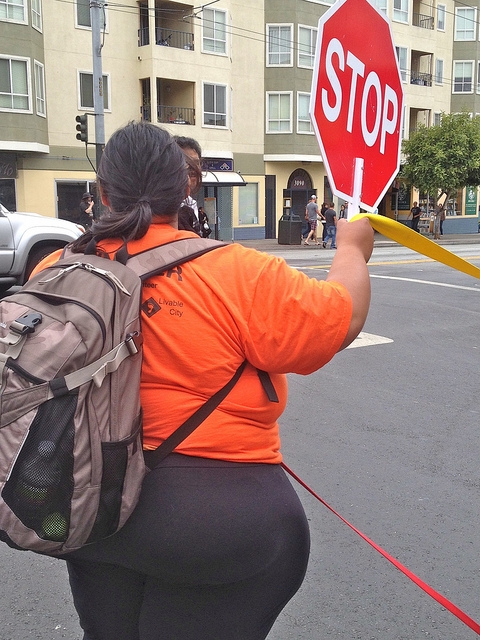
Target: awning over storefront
x,y
222,179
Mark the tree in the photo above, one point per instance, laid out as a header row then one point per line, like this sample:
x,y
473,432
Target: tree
x,y
444,158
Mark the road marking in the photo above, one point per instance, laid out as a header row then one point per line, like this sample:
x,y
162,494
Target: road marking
x,y
436,284
413,261
368,340
384,263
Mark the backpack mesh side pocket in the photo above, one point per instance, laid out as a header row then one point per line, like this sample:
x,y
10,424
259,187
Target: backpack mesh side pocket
x,y
116,456
40,486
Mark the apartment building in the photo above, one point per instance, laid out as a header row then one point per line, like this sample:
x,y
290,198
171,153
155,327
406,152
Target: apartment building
x,y
423,36
466,58
235,76
293,165
465,83
423,33
196,72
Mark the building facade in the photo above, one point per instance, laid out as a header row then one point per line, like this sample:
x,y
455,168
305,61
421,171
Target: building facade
x,y
195,74
234,76
465,85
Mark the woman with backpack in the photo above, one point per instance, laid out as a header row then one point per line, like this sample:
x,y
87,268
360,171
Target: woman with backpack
x,y
218,542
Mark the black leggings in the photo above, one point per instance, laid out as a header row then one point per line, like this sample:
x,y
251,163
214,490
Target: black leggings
x,y
213,551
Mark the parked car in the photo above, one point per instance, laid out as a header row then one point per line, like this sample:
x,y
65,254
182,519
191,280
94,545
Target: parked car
x,y
25,239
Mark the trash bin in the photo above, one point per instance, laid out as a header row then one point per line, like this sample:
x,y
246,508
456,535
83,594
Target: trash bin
x,y
290,229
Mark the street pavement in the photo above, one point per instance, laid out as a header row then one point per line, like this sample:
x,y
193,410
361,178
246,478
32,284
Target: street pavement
x,y
388,435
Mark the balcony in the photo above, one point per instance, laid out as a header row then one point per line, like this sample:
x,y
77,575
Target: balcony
x,y
176,39
423,79
422,21
167,38
419,118
168,114
168,18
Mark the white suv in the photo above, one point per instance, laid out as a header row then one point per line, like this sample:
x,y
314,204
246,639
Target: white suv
x,y
26,238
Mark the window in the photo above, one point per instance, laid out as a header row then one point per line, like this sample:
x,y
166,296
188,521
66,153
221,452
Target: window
x,y
402,62
37,14
463,77
248,204
279,112
279,45
215,105
478,77
13,10
441,12
304,124
86,91
15,84
400,10
465,23
438,71
7,193
307,40
437,119
214,31
381,5
39,88
83,13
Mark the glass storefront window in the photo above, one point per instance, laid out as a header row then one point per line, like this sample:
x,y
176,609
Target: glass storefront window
x,y
248,204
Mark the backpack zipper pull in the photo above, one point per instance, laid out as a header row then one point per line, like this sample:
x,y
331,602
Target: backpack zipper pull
x,y
61,272
108,274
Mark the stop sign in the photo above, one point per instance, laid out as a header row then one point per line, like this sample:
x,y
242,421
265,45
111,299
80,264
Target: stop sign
x,y
356,103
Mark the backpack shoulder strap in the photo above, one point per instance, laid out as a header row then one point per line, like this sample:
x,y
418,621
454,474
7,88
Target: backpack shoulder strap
x,y
168,256
152,458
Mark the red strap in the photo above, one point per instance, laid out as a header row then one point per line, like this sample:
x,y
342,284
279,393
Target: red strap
x,y
423,585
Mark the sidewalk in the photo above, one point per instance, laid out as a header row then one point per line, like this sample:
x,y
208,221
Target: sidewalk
x,y
271,245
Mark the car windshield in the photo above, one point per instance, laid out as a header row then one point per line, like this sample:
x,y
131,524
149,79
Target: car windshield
x,y
3,210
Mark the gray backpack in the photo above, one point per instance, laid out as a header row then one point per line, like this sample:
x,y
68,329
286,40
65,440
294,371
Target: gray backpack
x,y
71,460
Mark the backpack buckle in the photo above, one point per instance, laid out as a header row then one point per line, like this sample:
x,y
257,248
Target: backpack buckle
x,y
26,323
134,342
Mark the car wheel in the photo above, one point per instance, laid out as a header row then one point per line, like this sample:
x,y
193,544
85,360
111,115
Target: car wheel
x,y
37,255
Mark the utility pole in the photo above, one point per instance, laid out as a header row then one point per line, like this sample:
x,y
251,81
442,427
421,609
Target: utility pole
x,y
97,16
97,13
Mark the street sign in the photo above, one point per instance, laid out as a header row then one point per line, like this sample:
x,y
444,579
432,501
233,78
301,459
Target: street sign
x,y
356,103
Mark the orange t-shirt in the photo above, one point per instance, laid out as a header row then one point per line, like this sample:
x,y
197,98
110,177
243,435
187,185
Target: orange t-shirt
x,y
202,319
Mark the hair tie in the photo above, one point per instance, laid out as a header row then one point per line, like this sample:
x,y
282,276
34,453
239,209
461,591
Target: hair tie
x,y
144,199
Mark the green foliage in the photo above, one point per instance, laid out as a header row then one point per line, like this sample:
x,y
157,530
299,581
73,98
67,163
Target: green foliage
x,y
444,158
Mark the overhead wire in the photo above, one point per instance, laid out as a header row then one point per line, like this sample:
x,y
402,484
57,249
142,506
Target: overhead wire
x,y
253,35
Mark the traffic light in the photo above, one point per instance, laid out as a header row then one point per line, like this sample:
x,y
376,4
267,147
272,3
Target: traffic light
x,y
82,127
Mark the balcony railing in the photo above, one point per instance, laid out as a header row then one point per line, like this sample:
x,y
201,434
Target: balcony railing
x,y
176,39
425,22
166,38
175,115
424,79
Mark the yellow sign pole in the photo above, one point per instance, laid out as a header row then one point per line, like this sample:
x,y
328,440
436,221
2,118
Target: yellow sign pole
x,y
414,240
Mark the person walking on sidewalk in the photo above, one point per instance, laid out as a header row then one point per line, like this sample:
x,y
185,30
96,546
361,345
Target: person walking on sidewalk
x,y
437,220
331,225
312,214
415,212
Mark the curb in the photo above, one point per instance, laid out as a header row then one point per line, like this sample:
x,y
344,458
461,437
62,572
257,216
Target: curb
x,y
270,245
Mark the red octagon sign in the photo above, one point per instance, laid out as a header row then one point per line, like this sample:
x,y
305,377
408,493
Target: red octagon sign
x,y
356,102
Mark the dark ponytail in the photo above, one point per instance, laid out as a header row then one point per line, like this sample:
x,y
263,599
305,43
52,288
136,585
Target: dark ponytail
x,y
143,174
